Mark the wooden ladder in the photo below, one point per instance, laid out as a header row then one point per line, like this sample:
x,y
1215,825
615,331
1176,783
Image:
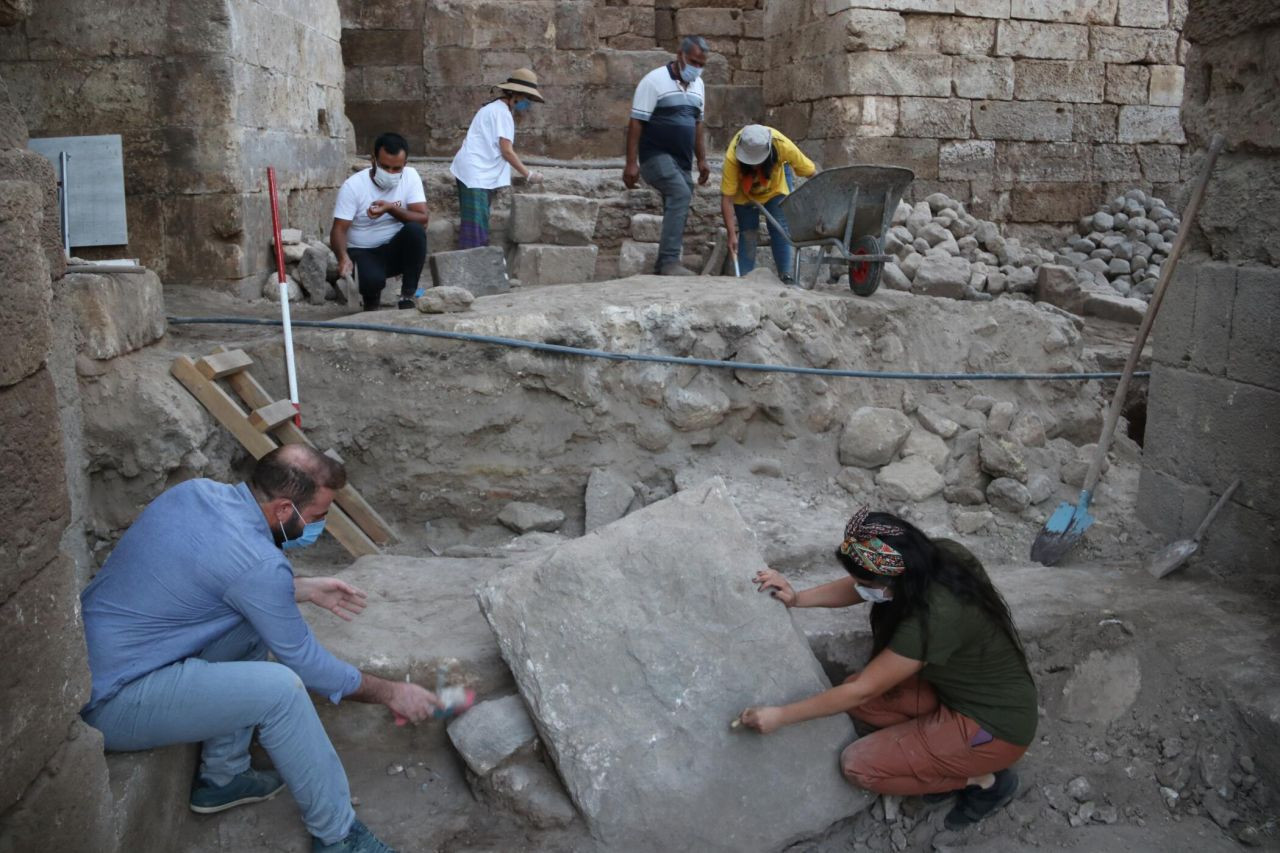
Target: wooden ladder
x,y
265,425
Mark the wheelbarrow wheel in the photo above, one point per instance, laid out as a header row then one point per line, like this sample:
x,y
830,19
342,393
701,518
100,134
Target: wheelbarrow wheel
x,y
864,276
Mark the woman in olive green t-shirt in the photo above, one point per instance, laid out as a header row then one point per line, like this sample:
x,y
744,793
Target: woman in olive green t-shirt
x,y
947,686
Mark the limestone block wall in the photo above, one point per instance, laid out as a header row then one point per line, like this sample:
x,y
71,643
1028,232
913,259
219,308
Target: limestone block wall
x,y
1214,400
206,94
423,67
1033,111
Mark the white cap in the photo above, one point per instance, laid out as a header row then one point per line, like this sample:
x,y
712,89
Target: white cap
x,y
754,144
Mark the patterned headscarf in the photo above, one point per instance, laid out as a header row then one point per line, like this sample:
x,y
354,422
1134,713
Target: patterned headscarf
x,y
862,542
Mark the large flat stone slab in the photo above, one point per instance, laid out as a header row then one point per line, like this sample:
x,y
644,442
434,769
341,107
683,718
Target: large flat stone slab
x,y
634,647
115,313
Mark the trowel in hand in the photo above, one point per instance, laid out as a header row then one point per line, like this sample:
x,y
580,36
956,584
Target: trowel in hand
x,y
1175,554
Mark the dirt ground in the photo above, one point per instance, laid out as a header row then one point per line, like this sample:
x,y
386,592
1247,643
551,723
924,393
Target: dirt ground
x,y
1160,700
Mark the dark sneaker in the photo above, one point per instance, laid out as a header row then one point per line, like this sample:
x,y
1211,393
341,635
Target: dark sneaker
x,y
675,268
976,803
358,840
404,302
251,786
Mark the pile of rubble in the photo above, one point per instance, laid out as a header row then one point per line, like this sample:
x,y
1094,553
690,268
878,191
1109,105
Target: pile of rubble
x,y
1124,244
310,268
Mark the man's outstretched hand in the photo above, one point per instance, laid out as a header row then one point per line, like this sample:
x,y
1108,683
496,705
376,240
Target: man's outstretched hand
x,y
338,597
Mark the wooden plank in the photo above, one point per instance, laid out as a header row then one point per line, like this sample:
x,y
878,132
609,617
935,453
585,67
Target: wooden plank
x,y
272,415
362,512
224,363
228,412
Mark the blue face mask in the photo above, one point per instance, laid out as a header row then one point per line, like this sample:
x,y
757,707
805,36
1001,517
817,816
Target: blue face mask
x,y
310,533
689,73
523,106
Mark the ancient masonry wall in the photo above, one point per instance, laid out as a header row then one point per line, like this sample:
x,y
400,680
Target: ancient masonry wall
x,y
424,67
1214,401
1031,111
206,94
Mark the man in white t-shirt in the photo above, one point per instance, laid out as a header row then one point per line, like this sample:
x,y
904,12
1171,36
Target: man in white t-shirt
x,y
663,137
380,223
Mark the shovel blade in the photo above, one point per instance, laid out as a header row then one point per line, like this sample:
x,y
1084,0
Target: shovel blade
x,y
1061,532
1171,557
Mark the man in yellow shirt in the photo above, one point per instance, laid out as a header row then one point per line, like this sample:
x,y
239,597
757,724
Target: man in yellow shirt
x,y
758,167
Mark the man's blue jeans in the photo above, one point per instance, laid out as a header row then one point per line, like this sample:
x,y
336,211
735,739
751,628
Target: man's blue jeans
x,y
676,186
748,216
219,698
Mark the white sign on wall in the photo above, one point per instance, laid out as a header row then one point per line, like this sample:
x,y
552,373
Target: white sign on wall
x,y
94,186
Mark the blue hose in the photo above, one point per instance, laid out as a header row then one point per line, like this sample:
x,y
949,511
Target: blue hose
x,y
560,349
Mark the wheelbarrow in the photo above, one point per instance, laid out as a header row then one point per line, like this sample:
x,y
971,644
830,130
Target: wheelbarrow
x,y
847,211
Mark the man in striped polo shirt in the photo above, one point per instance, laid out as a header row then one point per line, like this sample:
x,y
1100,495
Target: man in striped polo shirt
x,y
663,136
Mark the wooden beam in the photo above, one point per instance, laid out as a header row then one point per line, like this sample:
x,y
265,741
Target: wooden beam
x,y
272,415
362,512
228,413
224,363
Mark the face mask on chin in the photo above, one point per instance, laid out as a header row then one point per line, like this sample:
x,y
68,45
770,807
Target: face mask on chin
x,y
385,180
873,595
310,533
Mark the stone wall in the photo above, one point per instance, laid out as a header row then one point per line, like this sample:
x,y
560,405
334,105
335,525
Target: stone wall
x,y
424,67
54,792
1215,390
1029,111
206,94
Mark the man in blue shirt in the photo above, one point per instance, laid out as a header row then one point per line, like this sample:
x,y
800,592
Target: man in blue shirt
x,y
663,136
178,625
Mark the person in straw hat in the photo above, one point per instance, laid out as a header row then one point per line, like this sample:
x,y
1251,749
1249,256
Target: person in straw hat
x,y
487,156
758,168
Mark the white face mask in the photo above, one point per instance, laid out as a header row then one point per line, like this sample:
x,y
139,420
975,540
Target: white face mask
x,y
385,180
875,596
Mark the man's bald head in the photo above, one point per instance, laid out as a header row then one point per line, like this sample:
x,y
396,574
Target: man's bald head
x,y
295,472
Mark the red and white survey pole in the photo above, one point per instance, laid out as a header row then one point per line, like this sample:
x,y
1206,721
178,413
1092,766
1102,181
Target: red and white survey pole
x,y
284,298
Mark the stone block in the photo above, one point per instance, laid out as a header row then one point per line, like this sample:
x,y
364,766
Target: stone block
x,y
68,806
646,227
531,790
1058,80
620,711
1126,44
636,258
492,732
942,275
1094,123
863,29
878,73
934,7
973,158
25,297
34,502
918,155
873,436
1034,40
1255,327
45,679
150,790
868,115
1234,99
608,496
945,118
13,129
1031,121
998,9
482,270
1167,83
115,313
361,48
1235,231
1053,202
1116,163
983,77
709,23
1042,161
950,35
566,220
1171,333
1065,11
911,479
1128,84
445,300
1142,13
535,264
1113,306
1150,124
1057,285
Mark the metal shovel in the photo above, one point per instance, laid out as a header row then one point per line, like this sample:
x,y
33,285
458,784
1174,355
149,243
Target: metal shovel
x,y
1175,554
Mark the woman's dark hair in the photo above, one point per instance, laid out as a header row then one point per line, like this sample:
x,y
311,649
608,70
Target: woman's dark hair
x,y
927,563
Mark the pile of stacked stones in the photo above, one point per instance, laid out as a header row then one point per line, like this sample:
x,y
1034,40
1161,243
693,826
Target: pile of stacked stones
x,y
310,267
1123,245
944,251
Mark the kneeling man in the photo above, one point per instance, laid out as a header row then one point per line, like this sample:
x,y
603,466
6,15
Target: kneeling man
x,y
380,223
179,623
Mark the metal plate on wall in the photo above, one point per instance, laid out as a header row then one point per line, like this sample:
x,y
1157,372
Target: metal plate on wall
x,y
95,184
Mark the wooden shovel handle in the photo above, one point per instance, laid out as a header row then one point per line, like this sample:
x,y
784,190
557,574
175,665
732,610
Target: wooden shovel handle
x,y
1213,513
1148,319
